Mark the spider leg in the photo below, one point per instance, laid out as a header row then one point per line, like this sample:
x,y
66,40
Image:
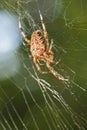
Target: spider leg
x,y
51,45
43,25
50,50
57,75
44,29
56,62
22,32
38,67
40,63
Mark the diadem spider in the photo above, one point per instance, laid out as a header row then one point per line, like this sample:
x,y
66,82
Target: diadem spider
x,y
41,49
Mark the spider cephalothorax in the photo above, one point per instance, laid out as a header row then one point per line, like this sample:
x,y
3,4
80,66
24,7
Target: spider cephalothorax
x,y
41,49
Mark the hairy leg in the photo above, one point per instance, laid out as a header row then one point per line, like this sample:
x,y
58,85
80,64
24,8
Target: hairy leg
x,y
44,29
22,33
56,74
38,66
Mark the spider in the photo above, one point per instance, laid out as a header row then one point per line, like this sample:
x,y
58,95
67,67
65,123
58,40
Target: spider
x,y
41,49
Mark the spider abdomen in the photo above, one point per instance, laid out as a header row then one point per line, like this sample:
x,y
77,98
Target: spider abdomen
x,y
38,43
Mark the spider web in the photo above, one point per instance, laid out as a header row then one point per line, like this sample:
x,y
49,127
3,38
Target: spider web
x,y
31,101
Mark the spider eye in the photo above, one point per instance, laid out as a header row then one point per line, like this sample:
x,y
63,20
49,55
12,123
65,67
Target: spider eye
x,y
39,33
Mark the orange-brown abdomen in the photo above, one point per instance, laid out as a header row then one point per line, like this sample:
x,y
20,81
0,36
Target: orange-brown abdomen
x,y
38,43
